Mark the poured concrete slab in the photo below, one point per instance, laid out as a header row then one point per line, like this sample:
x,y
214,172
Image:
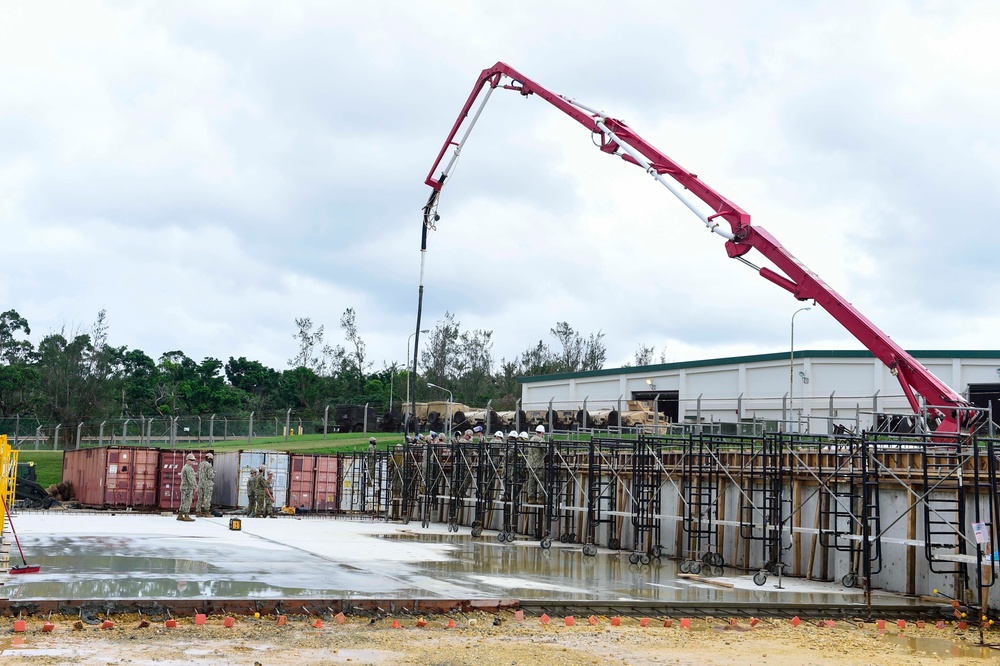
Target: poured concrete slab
x,y
137,556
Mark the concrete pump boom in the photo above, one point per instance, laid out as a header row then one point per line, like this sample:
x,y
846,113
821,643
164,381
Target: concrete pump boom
x,y
614,137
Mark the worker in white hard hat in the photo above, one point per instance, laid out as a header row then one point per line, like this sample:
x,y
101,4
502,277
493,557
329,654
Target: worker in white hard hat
x,y
206,484
188,482
539,435
534,457
523,436
498,436
512,435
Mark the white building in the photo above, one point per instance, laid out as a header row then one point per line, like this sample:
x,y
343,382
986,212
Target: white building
x,y
817,390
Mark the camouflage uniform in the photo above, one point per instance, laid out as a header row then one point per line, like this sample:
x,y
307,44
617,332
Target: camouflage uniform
x,y
188,482
267,497
206,484
534,456
252,492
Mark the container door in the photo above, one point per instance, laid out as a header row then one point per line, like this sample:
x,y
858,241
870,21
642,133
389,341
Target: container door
x,y
119,468
325,492
278,463
144,479
301,481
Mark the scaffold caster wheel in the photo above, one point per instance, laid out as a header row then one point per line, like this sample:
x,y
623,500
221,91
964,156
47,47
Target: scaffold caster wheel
x,y
644,559
717,560
563,537
502,537
614,544
545,543
425,523
684,566
776,569
406,520
696,568
759,578
590,550
717,570
850,580
633,558
477,531
707,558
572,538
452,527
657,551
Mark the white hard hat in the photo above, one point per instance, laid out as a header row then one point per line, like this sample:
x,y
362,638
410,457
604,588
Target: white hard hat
x,y
540,429
524,434
512,433
498,433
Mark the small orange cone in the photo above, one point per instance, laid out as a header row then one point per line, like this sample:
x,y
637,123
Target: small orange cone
x,y
754,622
340,618
48,626
395,624
544,619
668,623
901,624
644,622
963,625
199,618
616,621
940,624
228,622
685,623
519,615
881,626
796,621
451,624
830,624
570,621
20,625
282,620
592,621
318,624
421,623
733,622
920,624
107,624
170,624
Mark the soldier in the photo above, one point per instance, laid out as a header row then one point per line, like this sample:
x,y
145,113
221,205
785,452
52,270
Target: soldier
x,y
534,455
268,496
206,483
252,492
478,435
188,482
258,509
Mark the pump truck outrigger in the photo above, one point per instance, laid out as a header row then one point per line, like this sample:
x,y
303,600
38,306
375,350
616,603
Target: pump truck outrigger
x,y
949,413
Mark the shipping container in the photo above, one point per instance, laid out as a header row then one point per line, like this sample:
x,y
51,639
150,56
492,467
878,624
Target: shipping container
x,y
171,464
312,482
232,470
113,476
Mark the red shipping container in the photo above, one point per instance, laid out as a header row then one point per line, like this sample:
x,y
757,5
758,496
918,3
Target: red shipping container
x,y
301,481
113,476
169,474
326,491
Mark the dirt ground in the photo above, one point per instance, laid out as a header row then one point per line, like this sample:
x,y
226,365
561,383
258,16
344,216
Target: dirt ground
x,y
476,641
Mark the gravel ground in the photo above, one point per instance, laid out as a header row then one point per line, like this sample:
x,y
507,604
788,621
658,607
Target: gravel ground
x,y
476,641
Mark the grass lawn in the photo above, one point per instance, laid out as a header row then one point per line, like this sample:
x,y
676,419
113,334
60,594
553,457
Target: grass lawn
x,y
48,464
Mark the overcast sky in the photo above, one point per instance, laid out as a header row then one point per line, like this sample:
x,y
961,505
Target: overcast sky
x,y
208,172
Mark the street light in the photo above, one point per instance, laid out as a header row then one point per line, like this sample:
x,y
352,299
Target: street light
x,y
448,419
791,369
412,417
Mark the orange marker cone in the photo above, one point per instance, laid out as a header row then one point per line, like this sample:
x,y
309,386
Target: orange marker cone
x,y
754,622
395,624
20,625
830,624
570,621
963,625
881,626
901,624
318,624
940,624
107,624
644,622
199,618
48,626
451,624
733,622
228,622
796,621
340,618
616,621
592,621
668,623
920,624
519,615
282,620
685,623
170,624
544,619
421,623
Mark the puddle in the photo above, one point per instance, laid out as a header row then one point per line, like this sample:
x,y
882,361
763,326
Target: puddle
x,y
943,648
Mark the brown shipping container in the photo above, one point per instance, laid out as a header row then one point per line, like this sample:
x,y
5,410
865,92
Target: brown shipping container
x,y
171,464
312,482
113,476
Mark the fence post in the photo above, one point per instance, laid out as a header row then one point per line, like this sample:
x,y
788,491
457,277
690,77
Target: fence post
x,y
365,420
173,432
79,430
250,430
586,414
125,433
100,434
326,420
199,428
517,415
149,431
55,441
619,414
288,423
211,431
489,408
551,416
17,428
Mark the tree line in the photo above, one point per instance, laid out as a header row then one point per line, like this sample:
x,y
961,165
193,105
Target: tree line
x,y
81,376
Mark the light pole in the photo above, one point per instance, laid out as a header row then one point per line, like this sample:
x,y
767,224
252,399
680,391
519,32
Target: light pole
x,y
448,419
791,369
412,416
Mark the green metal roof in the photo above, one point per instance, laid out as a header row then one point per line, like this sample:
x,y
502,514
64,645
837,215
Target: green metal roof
x,y
757,358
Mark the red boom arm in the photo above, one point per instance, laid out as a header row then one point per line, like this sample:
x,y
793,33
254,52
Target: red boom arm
x,y
617,138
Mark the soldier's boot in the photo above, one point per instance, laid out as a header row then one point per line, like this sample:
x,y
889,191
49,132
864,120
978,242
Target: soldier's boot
x,y
180,516
187,518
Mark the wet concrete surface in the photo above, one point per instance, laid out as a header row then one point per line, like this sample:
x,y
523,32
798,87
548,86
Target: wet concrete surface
x,y
131,556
